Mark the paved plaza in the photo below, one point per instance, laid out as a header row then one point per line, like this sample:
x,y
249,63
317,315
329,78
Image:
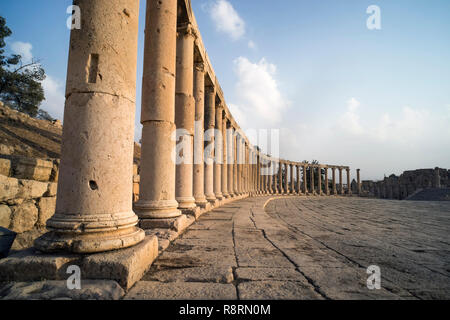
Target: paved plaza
x,y
307,248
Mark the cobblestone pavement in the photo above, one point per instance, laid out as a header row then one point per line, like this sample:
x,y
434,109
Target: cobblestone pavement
x,y
307,248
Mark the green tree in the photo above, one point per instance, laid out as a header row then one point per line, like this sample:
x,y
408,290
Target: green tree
x,y
20,84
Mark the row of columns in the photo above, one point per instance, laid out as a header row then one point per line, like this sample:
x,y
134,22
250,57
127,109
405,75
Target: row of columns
x,y
94,210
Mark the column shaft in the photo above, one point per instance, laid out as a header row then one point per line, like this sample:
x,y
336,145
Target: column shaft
x,y
94,202
225,192
218,148
185,117
210,120
199,164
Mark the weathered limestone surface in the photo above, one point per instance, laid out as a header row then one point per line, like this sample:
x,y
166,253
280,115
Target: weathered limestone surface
x,y
94,203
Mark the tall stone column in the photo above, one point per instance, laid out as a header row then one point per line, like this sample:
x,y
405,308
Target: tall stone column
x,y
230,161
157,174
349,189
341,184
437,178
305,183
291,166
270,172
185,116
327,187
333,173
199,164
235,167
258,175
239,164
210,121
319,180
280,177
286,180
94,202
225,192
218,148
311,175
358,181
299,187
274,178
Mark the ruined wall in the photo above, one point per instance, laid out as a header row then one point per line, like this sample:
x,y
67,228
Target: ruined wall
x,y
28,195
407,184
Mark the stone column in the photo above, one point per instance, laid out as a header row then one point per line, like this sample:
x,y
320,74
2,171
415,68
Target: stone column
x,y
184,116
280,177
157,174
270,172
286,181
299,188
437,178
311,175
274,178
291,166
358,181
319,180
225,192
230,161
235,167
94,202
333,174
199,164
327,187
239,164
218,159
210,118
349,189
305,183
341,184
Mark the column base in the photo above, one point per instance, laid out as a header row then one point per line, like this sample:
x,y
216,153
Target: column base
x,y
186,203
201,202
162,209
55,241
219,196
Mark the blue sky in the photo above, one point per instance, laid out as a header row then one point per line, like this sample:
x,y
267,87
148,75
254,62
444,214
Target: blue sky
x,y
339,92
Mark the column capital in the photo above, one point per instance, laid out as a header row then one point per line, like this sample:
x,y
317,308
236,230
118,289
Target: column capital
x,y
187,29
200,66
210,90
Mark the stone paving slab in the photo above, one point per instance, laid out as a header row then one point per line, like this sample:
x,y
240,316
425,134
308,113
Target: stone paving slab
x,y
308,248
152,290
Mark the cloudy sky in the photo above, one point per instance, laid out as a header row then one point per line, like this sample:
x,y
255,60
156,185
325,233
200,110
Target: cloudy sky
x,y
338,92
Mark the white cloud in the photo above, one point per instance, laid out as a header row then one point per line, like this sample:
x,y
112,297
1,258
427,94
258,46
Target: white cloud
x,y
405,138
54,97
226,19
350,119
257,94
24,49
251,44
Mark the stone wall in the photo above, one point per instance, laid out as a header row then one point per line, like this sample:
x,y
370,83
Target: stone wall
x,y
28,195
407,184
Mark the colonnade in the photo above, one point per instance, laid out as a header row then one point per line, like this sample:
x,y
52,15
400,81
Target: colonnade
x,y
194,155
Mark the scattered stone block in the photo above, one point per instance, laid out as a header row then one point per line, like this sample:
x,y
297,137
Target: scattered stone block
x,y
46,207
126,266
58,290
24,217
5,216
